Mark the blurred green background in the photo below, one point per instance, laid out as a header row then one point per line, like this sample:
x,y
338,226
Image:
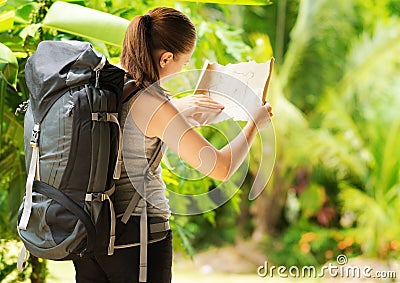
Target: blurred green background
x,y
335,93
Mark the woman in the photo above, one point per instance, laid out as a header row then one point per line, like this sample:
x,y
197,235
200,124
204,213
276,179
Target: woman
x,y
157,45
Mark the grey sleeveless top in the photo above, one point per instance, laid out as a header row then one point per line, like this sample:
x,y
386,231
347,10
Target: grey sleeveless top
x,y
136,152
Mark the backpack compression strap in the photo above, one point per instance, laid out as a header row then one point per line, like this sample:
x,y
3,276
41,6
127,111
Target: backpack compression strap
x,y
130,89
103,197
32,175
112,117
143,216
136,197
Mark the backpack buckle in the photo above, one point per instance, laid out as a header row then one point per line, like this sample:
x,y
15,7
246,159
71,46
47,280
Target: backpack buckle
x,y
103,116
35,136
96,197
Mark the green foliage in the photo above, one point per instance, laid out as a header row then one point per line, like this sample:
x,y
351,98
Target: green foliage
x,y
309,244
318,41
86,23
342,72
33,22
357,130
202,227
236,2
8,259
8,66
335,98
6,20
11,149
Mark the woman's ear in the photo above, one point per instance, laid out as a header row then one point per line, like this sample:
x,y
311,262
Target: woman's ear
x,y
165,58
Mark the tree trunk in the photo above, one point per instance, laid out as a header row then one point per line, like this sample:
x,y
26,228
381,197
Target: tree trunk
x,y
267,208
243,227
280,31
39,269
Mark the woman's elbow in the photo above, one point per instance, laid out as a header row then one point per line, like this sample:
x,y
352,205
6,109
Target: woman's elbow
x,y
221,172
215,164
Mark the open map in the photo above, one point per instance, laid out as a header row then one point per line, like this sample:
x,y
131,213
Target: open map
x,y
239,87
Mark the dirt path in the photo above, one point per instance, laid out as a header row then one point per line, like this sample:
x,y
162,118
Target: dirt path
x,y
239,265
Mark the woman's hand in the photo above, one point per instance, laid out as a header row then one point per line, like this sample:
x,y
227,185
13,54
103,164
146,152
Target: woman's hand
x,y
198,108
262,116
156,117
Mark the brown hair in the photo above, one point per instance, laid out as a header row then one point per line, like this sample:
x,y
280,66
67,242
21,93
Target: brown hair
x,y
160,29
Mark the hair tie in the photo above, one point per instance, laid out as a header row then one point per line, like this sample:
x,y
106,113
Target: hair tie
x,y
147,20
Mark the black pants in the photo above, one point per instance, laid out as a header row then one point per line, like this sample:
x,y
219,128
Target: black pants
x,y
123,265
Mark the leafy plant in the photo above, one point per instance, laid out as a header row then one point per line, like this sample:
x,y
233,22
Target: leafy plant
x,y
359,143
26,23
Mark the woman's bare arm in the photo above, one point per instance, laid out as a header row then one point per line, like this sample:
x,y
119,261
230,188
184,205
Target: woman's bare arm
x,y
155,116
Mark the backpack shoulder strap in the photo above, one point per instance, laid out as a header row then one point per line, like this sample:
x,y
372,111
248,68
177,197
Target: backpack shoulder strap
x,y
130,89
153,164
155,160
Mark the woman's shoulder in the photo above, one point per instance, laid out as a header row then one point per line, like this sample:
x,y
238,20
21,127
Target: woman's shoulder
x,y
148,98
152,112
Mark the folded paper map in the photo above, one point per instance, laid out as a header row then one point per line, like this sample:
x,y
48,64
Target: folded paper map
x,y
239,87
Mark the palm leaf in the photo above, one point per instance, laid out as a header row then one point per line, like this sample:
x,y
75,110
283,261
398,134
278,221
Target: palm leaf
x,y
233,2
371,73
183,239
8,65
13,131
86,22
363,107
353,109
16,190
390,166
309,66
6,21
24,12
8,158
375,218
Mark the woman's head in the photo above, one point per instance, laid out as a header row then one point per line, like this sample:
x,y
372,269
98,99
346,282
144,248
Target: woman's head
x,y
157,45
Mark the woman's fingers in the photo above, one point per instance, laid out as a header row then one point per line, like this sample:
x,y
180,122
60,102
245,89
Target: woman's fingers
x,y
206,101
269,109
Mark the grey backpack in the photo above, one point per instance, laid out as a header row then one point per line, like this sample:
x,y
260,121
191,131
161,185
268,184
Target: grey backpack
x,y
73,151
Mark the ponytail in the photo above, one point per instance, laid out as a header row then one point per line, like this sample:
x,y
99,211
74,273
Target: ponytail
x,y
160,29
137,57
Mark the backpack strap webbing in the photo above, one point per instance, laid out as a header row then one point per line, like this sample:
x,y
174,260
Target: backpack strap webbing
x,y
112,117
33,174
129,90
72,206
154,162
22,259
143,239
106,197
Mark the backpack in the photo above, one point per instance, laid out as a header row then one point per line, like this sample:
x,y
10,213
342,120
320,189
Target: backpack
x,y
72,140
